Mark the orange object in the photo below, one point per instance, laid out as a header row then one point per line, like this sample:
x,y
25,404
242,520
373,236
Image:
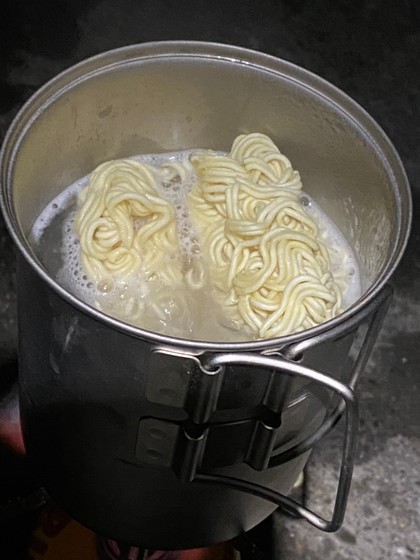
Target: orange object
x,y
58,537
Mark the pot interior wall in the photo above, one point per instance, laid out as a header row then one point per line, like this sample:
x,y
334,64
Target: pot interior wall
x,y
146,105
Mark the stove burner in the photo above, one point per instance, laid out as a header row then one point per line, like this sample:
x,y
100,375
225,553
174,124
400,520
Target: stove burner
x,y
111,550
58,537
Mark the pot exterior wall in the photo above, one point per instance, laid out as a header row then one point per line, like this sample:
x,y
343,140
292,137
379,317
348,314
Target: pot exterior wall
x,y
85,392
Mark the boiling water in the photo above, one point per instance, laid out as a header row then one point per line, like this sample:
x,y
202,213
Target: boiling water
x,y
192,314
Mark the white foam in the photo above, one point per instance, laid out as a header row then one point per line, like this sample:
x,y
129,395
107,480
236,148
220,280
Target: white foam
x,y
344,266
176,190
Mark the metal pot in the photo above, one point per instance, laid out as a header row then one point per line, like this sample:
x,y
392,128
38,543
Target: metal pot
x,y
173,443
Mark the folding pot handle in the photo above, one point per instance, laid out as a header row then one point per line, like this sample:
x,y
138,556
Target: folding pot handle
x,y
346,393
374,312
192,436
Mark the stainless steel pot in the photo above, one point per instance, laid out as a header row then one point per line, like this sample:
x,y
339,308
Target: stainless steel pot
x,y
174,443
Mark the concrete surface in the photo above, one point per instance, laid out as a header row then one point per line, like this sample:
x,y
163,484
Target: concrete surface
x,y
370,49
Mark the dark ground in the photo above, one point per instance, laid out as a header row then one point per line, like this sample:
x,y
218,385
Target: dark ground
x,y
371,50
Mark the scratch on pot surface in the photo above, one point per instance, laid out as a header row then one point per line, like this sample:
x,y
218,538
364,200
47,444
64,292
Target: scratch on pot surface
x,y
70,335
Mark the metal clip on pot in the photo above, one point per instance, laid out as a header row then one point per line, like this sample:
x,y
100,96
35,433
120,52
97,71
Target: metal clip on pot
x,y
185,454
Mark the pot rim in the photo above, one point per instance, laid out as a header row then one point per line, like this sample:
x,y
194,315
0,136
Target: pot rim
x,y
133,54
